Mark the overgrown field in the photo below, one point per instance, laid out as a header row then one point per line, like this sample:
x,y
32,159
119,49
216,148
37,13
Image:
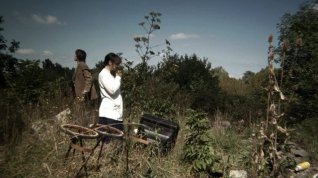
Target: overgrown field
x,y
40,153
263,123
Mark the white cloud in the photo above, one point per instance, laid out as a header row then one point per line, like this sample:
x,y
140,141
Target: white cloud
x,y
49,19
47,53
26,51
182,36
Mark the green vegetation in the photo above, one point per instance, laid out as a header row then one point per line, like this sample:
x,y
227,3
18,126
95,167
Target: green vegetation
x,y
198,149
186,89
301,64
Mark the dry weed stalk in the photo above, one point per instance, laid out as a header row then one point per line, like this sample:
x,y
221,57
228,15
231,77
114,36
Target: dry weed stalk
x,y
267,156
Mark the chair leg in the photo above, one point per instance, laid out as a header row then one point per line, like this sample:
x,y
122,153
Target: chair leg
x,y
83,158
85,162
73,141
100,151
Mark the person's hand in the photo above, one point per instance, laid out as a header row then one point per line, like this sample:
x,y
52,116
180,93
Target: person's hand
x,y
119,73
84,92
84,95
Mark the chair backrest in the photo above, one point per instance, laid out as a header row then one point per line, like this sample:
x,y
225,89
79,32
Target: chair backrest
x,y
160,130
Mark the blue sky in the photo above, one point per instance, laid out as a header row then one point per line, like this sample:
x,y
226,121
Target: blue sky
x,y
230,33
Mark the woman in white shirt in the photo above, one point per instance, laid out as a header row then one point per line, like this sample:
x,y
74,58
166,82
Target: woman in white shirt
x,y
109,79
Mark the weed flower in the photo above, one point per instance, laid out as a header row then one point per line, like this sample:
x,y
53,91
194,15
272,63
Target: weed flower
x,y
270,38
271,55
285,45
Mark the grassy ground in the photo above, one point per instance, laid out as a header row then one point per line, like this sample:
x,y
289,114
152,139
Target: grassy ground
x,y
306,135
41,154
43,157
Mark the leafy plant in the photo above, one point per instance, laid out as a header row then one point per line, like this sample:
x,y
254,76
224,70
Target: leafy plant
x,y
198,149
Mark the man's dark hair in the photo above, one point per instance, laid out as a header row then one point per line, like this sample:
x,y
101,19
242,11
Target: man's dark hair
x,y
114,58
80,55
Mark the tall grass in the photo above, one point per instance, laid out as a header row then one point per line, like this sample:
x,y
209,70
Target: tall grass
x,y
41,154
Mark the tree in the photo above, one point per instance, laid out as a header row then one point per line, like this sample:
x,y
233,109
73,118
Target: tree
x,y
7,62
195,77
248,75
47,64
220,72
3,46
301,62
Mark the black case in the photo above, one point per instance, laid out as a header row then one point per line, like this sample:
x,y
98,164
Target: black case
x,y
158,130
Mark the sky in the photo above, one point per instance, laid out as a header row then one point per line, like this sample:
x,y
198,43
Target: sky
x,y
229,33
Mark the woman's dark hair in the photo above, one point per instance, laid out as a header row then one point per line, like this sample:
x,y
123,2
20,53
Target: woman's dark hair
x,y
80,55
114,58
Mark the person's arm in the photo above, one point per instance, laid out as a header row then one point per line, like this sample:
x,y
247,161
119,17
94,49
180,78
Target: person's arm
x,y
110,83
88,80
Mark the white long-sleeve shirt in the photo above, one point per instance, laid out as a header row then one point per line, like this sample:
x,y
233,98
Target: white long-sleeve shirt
x,y
112,102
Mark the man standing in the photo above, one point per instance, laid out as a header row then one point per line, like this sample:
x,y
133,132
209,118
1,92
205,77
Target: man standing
x,y
84,89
